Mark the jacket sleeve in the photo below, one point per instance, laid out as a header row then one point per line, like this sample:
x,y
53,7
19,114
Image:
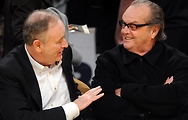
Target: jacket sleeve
x,y
162,100
110,106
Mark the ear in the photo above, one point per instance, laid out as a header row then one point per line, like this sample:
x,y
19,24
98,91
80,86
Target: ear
x,y
37,45
155,30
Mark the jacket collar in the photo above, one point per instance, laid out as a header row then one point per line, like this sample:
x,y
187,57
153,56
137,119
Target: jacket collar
x,y
151,57
32,80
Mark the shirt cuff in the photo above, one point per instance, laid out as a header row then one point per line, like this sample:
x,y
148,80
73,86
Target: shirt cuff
x,y
71,110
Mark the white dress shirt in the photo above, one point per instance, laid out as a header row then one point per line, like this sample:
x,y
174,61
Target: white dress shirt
x,y
53,88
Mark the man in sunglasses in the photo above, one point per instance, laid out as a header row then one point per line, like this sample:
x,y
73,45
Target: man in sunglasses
x,y
143,78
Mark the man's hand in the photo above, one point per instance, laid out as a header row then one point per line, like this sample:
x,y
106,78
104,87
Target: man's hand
x,y
169,80
87,98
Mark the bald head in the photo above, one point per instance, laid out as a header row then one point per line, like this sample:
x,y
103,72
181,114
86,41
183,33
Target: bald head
x,y
37,24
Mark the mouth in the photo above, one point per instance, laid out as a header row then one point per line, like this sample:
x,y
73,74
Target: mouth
x,y
128,38
60,53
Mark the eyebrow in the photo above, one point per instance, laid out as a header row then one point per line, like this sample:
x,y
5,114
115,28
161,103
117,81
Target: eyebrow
x,y
60,38
134,22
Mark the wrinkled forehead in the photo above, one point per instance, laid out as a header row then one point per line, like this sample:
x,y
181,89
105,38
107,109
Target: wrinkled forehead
x,y
137,13
58,24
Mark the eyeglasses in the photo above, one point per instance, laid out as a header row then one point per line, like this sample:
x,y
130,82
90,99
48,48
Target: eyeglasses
x,y
131,26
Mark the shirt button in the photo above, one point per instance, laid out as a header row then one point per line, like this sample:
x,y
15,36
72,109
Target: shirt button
x,y
55,88
141,114
52,105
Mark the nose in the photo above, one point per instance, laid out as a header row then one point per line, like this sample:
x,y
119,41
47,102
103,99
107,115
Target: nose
x,y
64,43
125,30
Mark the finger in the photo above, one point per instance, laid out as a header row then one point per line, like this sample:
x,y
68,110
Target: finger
x,y
98,96
94,90
97,91
171,79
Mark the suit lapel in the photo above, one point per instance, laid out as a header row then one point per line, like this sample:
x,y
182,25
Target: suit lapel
x,y
30,78
70,82
67,69
32,82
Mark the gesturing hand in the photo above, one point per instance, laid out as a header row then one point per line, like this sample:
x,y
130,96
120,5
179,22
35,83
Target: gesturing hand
x,y
87,98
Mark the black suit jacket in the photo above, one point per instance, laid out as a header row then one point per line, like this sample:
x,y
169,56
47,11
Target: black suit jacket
x,y
20,97
15,13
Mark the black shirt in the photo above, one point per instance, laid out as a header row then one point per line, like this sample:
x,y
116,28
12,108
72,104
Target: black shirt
x,y
142,79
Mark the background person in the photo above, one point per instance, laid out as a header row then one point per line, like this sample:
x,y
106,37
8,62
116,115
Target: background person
x,y
15,12
101,14
176,22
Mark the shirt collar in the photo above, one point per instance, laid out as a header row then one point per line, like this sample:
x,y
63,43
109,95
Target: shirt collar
x,y
152,56
38,67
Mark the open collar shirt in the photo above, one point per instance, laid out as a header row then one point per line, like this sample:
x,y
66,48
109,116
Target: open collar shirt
x,y
53,87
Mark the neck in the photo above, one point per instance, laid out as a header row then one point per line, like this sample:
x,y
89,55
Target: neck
x,y
33,53
144,49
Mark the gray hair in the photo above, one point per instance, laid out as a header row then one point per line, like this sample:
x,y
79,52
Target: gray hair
x,y
157,16
37,24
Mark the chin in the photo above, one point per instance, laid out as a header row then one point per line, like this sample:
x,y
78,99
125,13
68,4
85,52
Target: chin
x,y
58,59
59,55
126,45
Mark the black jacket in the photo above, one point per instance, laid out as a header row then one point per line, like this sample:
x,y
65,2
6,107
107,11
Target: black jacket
x,y
141,78
20,97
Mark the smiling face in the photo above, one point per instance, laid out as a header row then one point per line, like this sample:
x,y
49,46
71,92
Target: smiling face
x,y
54,44
141,40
